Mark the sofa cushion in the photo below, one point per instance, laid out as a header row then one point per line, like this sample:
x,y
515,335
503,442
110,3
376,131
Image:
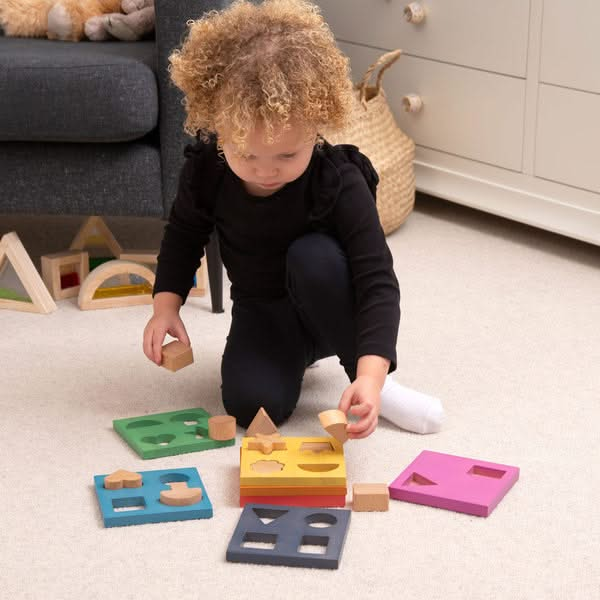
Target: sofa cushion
x,y
93,179
76,92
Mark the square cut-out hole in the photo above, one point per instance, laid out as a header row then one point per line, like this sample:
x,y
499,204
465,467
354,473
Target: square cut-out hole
x,y
126,504
486,472
313,544
259,541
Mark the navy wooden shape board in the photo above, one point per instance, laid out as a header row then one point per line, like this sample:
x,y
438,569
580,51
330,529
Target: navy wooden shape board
x,y
134,506
269,534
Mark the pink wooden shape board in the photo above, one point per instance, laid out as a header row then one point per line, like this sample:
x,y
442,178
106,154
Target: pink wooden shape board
x,y
462,484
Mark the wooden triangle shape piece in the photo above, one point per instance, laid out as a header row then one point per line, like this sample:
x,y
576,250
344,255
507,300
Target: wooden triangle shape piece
x,y
261,424
13,251
95,227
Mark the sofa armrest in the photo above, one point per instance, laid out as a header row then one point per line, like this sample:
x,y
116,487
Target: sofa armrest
x,y
171,18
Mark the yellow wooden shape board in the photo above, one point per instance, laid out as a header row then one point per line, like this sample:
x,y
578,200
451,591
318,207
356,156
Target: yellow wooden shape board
x,y
315,461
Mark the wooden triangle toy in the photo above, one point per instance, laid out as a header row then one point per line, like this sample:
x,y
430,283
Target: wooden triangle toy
x,y
40,300
95,232
261,424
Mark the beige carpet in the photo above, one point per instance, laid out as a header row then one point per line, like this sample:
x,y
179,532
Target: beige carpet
x,y
499,320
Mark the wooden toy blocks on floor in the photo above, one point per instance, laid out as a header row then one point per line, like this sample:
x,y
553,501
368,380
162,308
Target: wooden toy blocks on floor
x,y
176,355
63,272
93,294
293,537
367,497
455,483
39,299
127,506
170,433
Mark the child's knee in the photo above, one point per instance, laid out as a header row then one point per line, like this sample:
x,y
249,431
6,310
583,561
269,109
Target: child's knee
x,y
243,405
315,259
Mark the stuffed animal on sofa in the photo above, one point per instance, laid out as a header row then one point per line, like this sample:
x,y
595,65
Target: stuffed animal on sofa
x,y
135,22
66,19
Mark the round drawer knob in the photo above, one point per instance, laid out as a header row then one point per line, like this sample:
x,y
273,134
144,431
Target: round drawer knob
x,y
414,13
412,103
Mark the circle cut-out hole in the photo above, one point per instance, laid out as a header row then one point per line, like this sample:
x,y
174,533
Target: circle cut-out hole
x,y
321,520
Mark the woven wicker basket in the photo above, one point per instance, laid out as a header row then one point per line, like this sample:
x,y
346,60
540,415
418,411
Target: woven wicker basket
x,y
374,130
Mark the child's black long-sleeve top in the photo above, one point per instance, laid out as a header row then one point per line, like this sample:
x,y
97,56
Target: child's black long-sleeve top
x,y
335,195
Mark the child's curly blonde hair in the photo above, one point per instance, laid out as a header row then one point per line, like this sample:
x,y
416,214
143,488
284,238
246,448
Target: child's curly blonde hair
x,y
272,64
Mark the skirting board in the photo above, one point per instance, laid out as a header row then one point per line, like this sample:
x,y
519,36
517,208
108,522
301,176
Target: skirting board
x,y
551,206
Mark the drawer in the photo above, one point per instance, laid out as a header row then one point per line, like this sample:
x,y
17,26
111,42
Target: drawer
x,y
570,44
485,34
466,112
568,130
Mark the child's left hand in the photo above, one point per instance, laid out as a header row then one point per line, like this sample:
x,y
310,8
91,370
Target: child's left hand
x,y
362,399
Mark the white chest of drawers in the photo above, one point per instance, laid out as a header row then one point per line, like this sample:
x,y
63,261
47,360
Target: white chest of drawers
x,y
510,122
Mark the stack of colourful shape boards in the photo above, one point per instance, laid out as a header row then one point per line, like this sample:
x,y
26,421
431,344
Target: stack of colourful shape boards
x,y
295,471
170,433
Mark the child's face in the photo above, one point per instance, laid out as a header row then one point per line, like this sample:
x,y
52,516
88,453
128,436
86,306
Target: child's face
x,y
265,168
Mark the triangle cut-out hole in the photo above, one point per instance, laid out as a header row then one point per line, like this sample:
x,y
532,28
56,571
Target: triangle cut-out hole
x,y
416,479
268,515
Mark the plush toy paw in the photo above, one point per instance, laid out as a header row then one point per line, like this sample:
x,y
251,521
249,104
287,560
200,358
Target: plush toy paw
x,y
130,27
95,29
130,6
64,23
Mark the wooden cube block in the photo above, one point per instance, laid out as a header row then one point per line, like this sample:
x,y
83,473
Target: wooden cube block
x,y
176,355
63,272
370,497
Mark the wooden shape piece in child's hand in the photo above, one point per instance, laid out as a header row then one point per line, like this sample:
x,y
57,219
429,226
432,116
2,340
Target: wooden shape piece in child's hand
x,y
176,355
335,423
122,478
180,494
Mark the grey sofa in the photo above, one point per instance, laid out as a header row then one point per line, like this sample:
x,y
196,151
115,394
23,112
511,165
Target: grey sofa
x,y
96,128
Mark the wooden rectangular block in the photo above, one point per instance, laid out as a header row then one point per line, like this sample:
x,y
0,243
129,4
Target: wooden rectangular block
x,y
306,461
370,497
455,483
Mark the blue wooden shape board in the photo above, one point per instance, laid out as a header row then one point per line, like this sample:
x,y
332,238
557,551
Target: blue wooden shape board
x,y
267,534
134,506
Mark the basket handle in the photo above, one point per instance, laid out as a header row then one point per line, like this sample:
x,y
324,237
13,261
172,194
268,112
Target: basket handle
x,y
384,62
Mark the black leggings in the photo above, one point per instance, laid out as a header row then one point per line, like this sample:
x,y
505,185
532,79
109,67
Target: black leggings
x,y
271,342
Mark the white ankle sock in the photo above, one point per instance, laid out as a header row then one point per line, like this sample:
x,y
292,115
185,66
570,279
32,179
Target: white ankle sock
x,y
409,409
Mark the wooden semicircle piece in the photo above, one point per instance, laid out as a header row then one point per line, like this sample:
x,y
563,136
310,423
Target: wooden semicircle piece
x,y
90,297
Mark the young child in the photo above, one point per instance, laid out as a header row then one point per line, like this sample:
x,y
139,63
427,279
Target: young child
x,y
311,273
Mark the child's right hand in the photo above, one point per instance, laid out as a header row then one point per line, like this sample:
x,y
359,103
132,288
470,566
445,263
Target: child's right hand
x,y
165,320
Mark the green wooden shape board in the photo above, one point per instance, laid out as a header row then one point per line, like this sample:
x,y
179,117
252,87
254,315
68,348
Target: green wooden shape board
x,y
168,434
